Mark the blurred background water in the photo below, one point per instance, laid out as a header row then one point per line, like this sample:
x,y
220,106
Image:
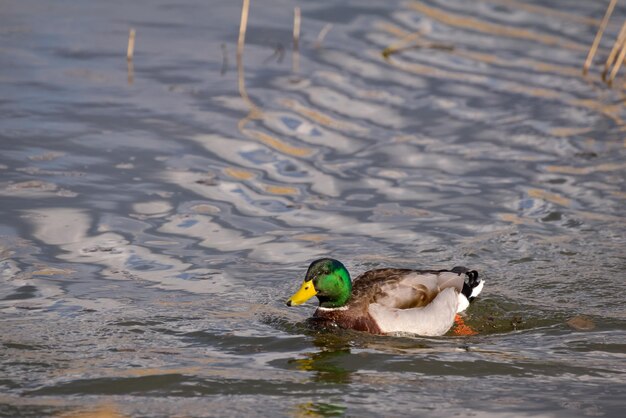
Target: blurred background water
x,y
153,220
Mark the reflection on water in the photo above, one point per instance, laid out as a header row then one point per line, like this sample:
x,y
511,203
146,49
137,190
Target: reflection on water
x,y
154,215
326,364
320,409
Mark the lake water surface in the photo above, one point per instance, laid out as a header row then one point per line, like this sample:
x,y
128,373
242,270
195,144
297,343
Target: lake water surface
x,y
154,217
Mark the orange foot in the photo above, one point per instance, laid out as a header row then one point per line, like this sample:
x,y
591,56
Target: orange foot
x,y
460,327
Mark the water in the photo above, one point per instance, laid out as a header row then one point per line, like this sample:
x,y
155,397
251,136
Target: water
x,y
153,222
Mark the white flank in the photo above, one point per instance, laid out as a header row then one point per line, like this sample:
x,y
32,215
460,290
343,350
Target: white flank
x,y
434,319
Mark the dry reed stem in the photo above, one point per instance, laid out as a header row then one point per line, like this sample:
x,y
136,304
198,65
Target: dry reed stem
x,y
611,59
224,60
131,45
410,41
320,36
401,44
596,40
296,40
131,71
254,110
618,64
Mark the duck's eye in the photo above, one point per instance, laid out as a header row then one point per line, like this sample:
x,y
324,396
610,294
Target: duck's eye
x,y
306,288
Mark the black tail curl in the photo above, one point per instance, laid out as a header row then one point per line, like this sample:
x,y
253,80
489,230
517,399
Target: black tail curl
x,y
471,280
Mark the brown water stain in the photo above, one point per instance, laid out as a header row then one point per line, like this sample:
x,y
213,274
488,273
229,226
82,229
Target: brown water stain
x,y
585,170
48,156
548,196
102,411
281,190
277,144
514,219
319,117
581,323
565,131
311,237
33,185
238,173
595,216
52,271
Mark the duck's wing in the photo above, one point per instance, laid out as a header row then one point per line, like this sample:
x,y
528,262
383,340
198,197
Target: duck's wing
x,y
404,289
375,284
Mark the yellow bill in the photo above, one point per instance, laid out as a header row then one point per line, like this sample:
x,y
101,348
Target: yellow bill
x,y
306,292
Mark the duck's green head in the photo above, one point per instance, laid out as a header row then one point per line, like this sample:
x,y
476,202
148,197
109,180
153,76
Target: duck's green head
x,y
327,279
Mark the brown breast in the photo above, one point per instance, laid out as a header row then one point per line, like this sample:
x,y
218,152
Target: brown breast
x,y
350,319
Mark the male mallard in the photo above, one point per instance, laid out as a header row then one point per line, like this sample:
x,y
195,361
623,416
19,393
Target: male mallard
x,y
380,301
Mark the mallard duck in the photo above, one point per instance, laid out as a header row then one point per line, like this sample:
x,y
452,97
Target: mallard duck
x,y
389,300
